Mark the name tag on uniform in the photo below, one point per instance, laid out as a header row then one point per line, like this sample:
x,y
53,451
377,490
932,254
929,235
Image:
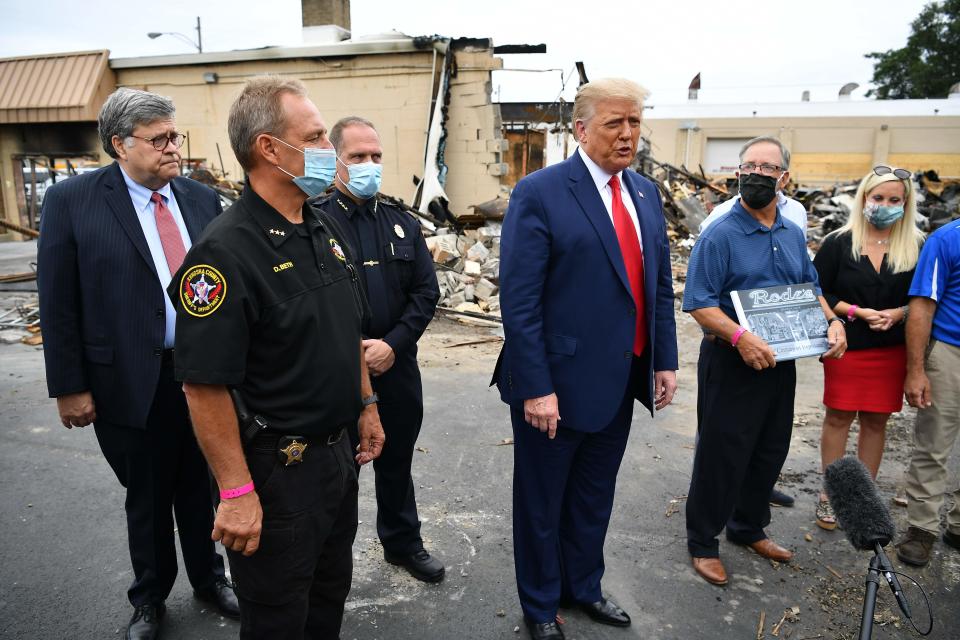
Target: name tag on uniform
x,y
282,267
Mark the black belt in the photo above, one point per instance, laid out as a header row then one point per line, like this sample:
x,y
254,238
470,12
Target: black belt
x,y
291,448
717,340
268,439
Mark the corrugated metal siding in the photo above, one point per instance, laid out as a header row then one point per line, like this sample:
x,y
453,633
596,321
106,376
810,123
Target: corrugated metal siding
x,y
51,88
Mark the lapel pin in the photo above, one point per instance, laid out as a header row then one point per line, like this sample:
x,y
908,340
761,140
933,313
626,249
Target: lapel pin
x,y
278,232
642,197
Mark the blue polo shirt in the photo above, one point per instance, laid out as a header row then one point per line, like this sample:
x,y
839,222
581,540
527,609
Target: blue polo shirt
x,y
736,252
938,277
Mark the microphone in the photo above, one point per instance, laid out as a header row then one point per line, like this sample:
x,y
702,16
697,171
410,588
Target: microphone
x,y
863,515
859,508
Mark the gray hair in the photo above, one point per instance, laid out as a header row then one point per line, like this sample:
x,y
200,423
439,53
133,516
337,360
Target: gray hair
x,y
336,134
588,95
126,109
258,110
784,152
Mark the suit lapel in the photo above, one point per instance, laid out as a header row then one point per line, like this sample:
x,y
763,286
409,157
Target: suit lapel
x,y
585,191
118,198
188,209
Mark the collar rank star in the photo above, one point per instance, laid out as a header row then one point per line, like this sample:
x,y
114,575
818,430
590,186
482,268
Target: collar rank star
x,y
397,229
278,232
343,206
294,452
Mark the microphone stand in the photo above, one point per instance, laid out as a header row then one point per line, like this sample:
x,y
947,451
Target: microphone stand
x,y
870,598
879,565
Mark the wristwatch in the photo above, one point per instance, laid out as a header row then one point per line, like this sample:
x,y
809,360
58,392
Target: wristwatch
x,y
836,319
371,399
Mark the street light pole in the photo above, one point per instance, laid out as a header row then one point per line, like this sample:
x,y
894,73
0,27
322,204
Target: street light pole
x,y
199,37
198,44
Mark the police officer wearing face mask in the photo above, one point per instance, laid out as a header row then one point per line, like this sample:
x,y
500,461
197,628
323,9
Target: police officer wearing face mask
x,y
398,274
269,308
745,397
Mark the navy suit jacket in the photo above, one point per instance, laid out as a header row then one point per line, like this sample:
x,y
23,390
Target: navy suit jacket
x,y
568,312
101,304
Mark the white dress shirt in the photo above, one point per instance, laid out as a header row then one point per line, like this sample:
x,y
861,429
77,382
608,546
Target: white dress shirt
x,y
602,179
148,222
789,209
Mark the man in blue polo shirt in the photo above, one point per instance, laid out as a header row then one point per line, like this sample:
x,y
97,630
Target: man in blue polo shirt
x,y
744,397
933,386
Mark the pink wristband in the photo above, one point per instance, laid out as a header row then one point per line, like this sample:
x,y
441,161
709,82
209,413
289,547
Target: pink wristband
x,y
236,493
851,312
736,337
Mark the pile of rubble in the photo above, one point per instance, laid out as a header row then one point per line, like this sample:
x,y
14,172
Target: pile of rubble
x,y
468,270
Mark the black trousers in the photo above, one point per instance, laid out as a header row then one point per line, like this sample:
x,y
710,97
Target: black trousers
x,y
401,414
295,585
745,418
164,474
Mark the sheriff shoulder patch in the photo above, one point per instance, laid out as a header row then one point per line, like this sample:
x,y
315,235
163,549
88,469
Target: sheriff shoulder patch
x,y
202,290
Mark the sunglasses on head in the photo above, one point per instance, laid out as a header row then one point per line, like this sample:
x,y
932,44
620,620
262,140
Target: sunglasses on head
x,y
882,170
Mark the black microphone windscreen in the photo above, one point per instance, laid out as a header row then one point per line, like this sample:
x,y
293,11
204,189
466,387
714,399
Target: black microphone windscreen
x,y
860,510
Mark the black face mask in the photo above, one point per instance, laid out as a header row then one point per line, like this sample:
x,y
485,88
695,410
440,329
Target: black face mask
x,y
757,190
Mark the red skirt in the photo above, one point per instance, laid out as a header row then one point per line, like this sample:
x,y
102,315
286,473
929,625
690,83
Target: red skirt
x,y
866,380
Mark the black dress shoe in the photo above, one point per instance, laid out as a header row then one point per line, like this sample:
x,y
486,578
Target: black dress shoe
x,y
606,612
145,623
780,499
544,630
220,594
420,564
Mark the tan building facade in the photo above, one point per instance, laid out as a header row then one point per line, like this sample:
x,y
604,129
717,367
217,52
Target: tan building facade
x,y
393,80
830,142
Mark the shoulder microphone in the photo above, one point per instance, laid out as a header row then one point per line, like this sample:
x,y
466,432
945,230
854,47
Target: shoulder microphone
x,y
863,515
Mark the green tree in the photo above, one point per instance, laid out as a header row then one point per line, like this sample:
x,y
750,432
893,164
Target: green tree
x,y
930,63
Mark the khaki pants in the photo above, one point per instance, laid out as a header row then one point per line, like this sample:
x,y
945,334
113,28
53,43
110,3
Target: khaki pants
x,y
935,433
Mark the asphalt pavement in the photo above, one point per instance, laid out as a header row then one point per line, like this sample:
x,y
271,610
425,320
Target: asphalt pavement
x,y
64,567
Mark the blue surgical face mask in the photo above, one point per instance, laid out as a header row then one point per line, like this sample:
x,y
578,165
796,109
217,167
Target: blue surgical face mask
x,y
364,178
319,169
882,216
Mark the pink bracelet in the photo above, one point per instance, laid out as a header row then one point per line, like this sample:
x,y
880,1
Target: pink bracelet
x,y
736,337
851,312
236,493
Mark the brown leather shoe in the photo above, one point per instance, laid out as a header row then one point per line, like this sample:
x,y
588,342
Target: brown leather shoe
x,y
767,548
710,569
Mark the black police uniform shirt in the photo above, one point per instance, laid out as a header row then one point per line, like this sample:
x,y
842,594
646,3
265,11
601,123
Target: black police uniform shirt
x,y
272,308
398,275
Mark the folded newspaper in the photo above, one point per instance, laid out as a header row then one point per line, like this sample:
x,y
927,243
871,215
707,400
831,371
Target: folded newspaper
x,y
789,318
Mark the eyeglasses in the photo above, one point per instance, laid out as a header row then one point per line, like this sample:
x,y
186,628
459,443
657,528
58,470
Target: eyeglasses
x,y
160,142
882,170
765,169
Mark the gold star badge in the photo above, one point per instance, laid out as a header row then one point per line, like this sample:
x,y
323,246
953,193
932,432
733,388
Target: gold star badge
x,y
294,452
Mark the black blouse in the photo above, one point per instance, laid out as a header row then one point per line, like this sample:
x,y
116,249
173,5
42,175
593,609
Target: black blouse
x,y
857,282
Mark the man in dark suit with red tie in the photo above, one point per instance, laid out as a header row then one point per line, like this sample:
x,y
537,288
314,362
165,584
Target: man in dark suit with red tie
x,y
587,304
109,242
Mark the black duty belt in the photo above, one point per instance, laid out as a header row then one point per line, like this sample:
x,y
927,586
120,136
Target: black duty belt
x,y
291,448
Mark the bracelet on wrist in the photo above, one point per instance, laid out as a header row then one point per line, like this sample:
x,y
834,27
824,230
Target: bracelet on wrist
x,y
737,335
852,312
227,494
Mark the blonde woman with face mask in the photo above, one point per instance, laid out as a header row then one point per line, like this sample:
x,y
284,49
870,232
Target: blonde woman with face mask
x,y
865,271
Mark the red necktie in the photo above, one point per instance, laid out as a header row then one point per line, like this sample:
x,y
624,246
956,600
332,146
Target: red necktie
x,y
170,238
632,260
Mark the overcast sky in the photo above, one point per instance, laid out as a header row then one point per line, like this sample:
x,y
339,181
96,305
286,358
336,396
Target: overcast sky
x,y
766,51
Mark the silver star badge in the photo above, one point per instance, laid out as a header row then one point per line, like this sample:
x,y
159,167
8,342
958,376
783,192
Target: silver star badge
x,y
278,232
397,229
